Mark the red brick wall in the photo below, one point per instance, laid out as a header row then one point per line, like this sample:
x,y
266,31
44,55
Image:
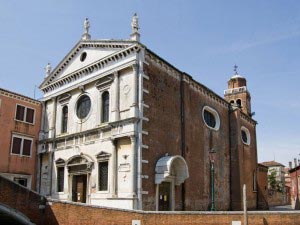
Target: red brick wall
x,y
262,186
62,213
164,136
243,162
13,163
163,128
21,199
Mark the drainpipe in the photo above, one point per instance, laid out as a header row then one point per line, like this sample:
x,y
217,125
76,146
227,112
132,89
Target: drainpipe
x,y
183,144
40,156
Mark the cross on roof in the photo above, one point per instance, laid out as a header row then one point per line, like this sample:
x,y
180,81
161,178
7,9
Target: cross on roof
x,y
235,69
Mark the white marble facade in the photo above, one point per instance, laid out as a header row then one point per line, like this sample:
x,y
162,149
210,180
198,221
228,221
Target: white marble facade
x,y
91,69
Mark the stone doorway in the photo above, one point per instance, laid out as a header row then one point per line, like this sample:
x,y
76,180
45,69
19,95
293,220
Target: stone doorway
x,y
79,188
164,201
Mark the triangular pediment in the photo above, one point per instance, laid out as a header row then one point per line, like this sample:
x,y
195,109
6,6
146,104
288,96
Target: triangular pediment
x,y
103,154
84,54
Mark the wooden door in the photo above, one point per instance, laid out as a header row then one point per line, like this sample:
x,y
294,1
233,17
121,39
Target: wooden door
x,y
79,188
164,201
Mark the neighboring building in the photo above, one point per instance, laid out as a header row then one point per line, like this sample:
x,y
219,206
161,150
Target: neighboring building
x,y
19,127
295,186
124,128
276,196
262,183
292,179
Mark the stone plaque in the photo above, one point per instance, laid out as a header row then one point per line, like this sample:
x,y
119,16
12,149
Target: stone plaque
x,y
124,167
136,222
236,223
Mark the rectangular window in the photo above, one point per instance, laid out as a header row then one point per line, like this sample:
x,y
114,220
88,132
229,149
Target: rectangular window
x,y
26,147
60,179
103,176
24,114
29,115
16,146
22,181
21,145
20,112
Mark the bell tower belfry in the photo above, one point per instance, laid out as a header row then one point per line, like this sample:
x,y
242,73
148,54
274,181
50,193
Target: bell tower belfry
x,y
237,94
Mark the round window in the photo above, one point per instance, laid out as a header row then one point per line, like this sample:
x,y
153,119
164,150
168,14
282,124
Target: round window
x,y
245,135
83,106
83,56
211,118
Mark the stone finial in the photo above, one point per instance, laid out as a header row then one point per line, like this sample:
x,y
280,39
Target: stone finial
x,y
86,25
48,69
135,36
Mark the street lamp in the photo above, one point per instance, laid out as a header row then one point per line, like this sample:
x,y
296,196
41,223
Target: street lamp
x,y
212,158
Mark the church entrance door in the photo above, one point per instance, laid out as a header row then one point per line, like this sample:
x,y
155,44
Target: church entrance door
x,y
79,188
164,203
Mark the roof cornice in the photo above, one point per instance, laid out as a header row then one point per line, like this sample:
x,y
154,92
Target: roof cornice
x,y
14,95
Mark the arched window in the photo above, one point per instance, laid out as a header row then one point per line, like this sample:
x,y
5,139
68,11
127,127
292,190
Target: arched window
x,y
239,103
105,107
64,122
232,102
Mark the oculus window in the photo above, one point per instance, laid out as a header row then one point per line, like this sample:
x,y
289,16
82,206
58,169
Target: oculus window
x,y
83,106
83,56
211,118
245,135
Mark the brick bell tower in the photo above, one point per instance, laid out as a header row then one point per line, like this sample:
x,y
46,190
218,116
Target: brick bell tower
x,y
237,93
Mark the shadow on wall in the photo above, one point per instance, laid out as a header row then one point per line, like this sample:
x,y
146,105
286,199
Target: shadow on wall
x,y
297,204
262,202
25,202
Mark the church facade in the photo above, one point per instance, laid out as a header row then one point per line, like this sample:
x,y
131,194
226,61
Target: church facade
x,y
124,128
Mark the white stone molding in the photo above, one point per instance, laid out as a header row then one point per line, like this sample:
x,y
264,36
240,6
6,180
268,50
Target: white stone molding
x,y
145,146
145,105
145,132
115,98
52,84
133,163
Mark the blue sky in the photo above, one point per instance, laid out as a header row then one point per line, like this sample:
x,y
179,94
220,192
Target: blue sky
x,y
202,38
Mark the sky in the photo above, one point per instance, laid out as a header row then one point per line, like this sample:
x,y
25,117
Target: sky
x,y
204,38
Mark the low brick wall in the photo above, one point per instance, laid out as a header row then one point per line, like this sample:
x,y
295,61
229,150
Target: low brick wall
x,y
68,213
73,213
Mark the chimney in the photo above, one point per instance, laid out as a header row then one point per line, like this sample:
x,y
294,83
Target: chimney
x,y
295,162
290,165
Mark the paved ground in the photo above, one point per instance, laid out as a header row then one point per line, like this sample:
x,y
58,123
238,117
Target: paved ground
x,y
281,208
